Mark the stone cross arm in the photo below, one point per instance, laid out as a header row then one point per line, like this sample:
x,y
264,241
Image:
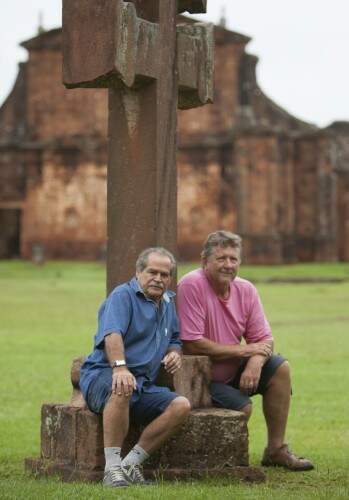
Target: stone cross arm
x,y
107,42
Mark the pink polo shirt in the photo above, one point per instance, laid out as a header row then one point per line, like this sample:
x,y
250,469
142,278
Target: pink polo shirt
x,y
203,314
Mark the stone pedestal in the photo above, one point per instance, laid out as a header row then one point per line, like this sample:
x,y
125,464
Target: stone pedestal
x,y
212,441
192,381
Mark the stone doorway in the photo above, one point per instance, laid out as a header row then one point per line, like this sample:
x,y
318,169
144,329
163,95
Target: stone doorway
x,y
10,224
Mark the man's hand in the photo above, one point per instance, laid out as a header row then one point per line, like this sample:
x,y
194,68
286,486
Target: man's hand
x,y
172,361
260,348
123,382
249,379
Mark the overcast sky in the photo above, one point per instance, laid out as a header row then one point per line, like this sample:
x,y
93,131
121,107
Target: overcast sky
x,y
303,47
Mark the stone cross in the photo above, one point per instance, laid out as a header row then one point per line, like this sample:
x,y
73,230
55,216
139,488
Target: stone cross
x,y
150,66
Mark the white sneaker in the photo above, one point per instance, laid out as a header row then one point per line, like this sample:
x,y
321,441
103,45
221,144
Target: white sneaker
x,y
114,478
133,474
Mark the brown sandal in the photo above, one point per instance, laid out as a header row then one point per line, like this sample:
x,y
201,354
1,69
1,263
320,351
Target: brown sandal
x,y
283,457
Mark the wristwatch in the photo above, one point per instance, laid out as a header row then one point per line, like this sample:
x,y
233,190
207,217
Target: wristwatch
x,y
118,362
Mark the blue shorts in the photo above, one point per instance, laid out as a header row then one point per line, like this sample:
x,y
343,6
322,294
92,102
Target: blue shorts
x,y
145,406
229,395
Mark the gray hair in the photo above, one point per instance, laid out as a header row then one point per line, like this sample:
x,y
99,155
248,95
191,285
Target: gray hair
x,y
143,257
220,239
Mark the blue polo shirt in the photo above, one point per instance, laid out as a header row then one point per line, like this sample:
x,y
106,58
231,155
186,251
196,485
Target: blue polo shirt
x,y
148,331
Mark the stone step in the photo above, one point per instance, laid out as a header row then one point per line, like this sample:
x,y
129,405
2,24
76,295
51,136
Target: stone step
x,y
72,440
68,473
210,438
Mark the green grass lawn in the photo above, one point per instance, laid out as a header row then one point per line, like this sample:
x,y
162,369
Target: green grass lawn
x,y
48,318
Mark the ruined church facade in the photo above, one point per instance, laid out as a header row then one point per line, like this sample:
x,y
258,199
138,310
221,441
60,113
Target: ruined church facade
x,y
244,164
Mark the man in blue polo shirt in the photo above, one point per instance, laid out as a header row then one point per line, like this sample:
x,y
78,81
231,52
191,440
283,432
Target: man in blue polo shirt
x,y
137,332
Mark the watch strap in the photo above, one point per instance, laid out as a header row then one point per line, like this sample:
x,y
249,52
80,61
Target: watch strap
x,y
118,362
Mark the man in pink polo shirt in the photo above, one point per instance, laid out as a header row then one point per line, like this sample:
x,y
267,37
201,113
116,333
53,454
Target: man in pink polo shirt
x,y
216,310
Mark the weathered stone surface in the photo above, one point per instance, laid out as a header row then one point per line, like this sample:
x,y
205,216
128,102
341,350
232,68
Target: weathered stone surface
x,y
59,201
58,432
191,380
71,435
195,49
89,441
211,438
126,47
211,441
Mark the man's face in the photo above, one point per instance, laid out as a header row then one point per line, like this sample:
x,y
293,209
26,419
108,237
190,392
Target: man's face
x,y
222,265
155,277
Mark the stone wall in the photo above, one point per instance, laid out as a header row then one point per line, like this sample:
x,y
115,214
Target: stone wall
x,y
315,199
12,195
53,112
244,164
343,216
66,208
216,119
205,197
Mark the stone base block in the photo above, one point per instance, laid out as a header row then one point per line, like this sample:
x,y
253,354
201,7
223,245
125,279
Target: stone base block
x,y
72,443
69,473
71,435
210,438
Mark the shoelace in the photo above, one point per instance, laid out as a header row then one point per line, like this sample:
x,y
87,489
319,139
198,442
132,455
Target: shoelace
x,y
135,473
117,474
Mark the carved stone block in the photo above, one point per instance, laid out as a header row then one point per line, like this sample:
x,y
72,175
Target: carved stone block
x,y
58,432
211,440
89,441
191,381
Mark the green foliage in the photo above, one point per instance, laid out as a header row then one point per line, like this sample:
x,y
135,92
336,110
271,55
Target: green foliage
x,y
48,317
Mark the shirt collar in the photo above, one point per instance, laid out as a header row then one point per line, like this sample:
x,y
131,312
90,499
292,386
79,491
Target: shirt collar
x,y
168,295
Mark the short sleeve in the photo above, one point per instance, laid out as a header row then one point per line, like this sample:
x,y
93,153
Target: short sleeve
x,y
191,312
175,342
114,316
257,326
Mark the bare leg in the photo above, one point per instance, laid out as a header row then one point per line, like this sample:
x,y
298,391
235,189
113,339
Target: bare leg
x,y
115,420
276,404
165,425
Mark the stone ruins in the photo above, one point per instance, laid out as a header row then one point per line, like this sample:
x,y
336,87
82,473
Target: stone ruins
x,y
142,56
244,164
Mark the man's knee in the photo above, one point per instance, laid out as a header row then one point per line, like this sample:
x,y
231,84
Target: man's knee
x,y
118,400
282,374
284,370
247,410
180,407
